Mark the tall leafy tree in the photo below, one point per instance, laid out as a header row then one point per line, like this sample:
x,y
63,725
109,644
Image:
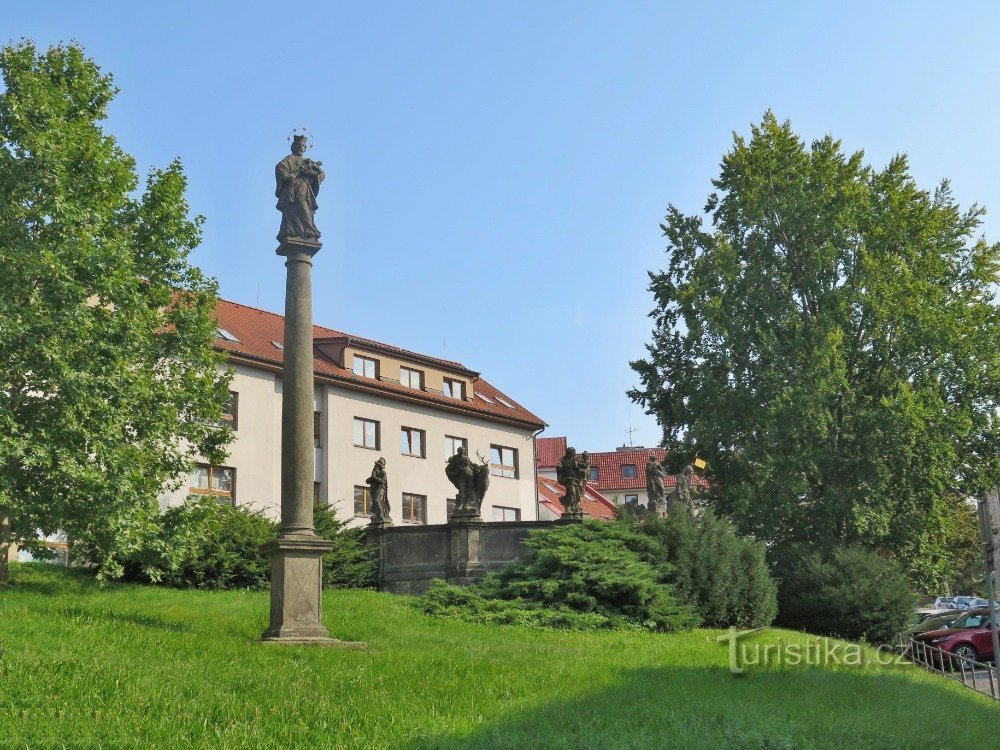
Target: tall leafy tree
x,y
109,381
827,336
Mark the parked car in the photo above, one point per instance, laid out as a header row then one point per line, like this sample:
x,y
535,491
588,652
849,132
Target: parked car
x,y
943,602
963,602
935,622
968,637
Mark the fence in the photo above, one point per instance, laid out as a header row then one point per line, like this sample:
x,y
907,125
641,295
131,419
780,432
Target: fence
x,y
979,676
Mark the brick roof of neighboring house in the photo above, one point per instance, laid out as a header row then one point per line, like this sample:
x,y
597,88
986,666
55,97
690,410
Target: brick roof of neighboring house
x,y
593,504
549,451
609,465
256,330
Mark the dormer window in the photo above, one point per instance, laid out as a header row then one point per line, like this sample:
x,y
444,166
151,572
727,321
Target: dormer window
x,y
454,389
365,366
411,378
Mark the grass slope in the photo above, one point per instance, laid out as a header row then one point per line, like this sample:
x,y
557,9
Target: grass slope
x,y
140,667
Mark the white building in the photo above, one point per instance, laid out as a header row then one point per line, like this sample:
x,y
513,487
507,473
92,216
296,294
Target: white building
x,y
371,400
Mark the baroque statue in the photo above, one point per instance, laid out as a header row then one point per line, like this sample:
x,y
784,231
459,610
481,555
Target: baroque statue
x,y
471,480
572,473
683,496
654,484
378,484
297,181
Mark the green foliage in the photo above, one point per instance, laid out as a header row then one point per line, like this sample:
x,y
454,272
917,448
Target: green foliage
x,y
110,381
607,572
847,592
208,545
828,343
725,577
662,574
351,563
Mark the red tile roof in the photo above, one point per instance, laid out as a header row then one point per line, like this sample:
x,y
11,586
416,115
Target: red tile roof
x,y
257,330
609,467
549,451
593,504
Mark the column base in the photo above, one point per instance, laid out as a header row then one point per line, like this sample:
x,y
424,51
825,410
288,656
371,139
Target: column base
x,y
297,592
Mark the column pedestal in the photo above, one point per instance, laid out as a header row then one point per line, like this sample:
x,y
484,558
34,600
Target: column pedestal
x,y
465,557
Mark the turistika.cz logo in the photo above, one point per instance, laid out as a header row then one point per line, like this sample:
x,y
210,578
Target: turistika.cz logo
x,y
819,652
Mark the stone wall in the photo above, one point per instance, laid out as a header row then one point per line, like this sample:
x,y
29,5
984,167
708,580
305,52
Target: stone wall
x,y
460,552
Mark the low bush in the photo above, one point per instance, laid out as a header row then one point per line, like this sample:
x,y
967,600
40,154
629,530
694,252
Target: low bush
x,y
205,544
208,545
661,574
723,575
351,563
593,574
843,591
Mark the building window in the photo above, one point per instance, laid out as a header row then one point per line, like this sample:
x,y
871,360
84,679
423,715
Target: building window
x,y
631,499
595,473
629,471
506,514
317,491
362,502
230,410
503,461
317,432
365,366
452,444
218,481
411,442
454,388
414,508
450,504
366,433
411,378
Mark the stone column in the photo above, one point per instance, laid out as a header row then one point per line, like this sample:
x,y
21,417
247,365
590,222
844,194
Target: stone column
x,y
297,553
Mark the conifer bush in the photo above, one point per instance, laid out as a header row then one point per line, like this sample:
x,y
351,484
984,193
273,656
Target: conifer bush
x,y
843,591
723,575
661,574
594,574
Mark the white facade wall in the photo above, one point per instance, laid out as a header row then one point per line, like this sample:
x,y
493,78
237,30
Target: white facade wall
x,y
255,452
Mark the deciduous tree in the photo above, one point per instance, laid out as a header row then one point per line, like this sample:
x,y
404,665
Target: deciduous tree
x,y
828,340
109,381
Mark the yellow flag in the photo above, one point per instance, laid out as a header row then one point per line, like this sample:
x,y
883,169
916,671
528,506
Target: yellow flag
x,y
700,463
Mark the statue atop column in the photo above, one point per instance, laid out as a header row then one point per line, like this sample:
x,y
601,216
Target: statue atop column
x,y
378,492
572,473
297,181
654,484
471,480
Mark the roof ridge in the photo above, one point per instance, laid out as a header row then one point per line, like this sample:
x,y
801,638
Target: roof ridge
x,y
338,332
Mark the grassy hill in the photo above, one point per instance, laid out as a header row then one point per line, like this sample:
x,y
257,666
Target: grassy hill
x,y
141,667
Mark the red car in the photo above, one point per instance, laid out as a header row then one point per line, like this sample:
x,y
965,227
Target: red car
x,y
969,636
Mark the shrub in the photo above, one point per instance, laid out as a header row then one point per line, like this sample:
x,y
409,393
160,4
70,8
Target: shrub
x,y
209,545
843,591
351,563
593,574
724,576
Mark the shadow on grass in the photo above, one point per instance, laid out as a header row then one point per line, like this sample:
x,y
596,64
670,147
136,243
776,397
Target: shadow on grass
x,y
50,579
86,614
693,708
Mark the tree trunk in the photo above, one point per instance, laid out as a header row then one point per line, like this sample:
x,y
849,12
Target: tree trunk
x,y
5,541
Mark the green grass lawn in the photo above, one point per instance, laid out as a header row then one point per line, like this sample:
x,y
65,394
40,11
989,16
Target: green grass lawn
x,y
141,667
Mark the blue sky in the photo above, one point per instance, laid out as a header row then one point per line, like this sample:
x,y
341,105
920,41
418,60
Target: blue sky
x,y
496,172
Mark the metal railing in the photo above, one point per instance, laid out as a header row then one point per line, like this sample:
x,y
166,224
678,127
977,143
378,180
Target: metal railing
x,y
978,675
